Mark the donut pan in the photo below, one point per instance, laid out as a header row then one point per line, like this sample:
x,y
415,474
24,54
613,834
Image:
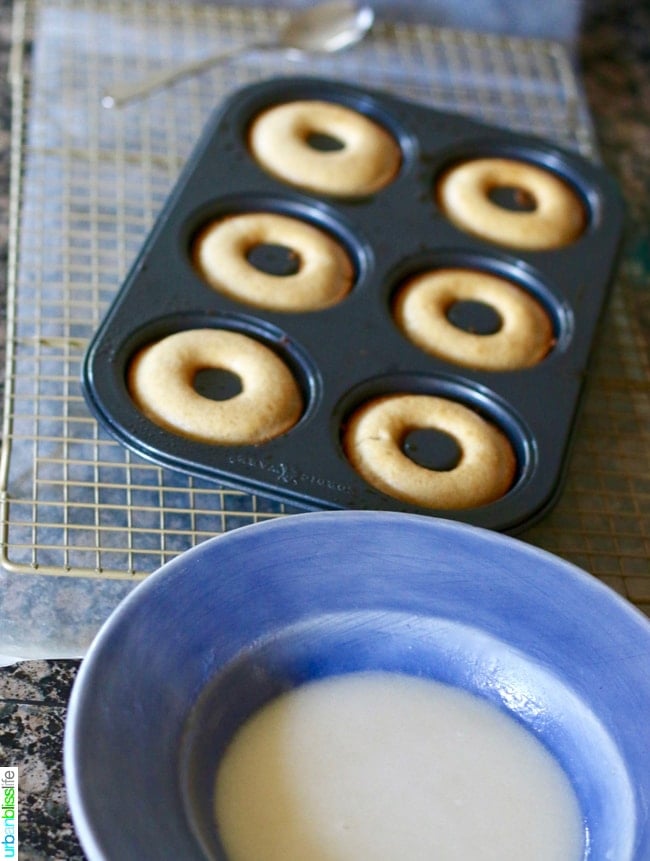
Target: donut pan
x,y
347,353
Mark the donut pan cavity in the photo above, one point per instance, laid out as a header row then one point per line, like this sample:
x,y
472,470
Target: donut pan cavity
x,y
352,351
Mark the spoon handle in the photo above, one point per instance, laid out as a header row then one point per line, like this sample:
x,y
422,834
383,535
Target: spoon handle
x,y
122,94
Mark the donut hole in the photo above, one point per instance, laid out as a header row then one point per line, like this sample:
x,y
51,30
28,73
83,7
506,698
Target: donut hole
x,y
217,384
432,449
513,198
274,259
478,318
323,142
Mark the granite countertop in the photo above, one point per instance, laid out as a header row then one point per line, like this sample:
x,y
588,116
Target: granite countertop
x,y
614,55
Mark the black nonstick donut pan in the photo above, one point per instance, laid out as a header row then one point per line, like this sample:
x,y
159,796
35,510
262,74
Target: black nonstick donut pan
x,y
345,354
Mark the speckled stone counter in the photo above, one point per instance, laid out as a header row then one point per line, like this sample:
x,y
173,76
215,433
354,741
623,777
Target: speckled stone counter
x,y
615,58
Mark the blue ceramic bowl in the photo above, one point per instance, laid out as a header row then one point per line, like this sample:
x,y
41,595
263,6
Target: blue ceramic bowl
x,y
215,633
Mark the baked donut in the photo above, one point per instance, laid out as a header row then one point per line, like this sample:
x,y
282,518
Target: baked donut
x,y
423,303
374,436
323,270
161,378
365,159
556,217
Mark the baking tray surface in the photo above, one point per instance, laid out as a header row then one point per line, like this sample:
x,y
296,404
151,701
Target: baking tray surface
x,y
349,353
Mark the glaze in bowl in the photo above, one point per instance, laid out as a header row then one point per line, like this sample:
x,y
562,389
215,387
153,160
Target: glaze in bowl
x,y
224,627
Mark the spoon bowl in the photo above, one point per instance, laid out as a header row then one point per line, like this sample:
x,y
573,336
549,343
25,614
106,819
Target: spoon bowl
x,y
326,28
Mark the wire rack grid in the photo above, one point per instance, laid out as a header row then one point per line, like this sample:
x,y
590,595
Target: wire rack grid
x,y
87,186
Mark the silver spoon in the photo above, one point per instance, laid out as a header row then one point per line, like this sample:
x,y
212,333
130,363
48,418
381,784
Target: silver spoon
x,y
330,26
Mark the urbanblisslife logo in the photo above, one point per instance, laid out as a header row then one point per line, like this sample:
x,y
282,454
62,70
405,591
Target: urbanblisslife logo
x,y
9,812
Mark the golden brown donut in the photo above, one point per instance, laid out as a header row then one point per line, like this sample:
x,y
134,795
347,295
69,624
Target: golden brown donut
x,y
161,382
368,160
324,276
373,442
421,310
556,220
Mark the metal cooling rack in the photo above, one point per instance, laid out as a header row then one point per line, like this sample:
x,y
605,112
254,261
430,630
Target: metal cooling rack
x,y
87,186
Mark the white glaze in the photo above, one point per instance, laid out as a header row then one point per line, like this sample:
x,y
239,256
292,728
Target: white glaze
x,y
384,766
